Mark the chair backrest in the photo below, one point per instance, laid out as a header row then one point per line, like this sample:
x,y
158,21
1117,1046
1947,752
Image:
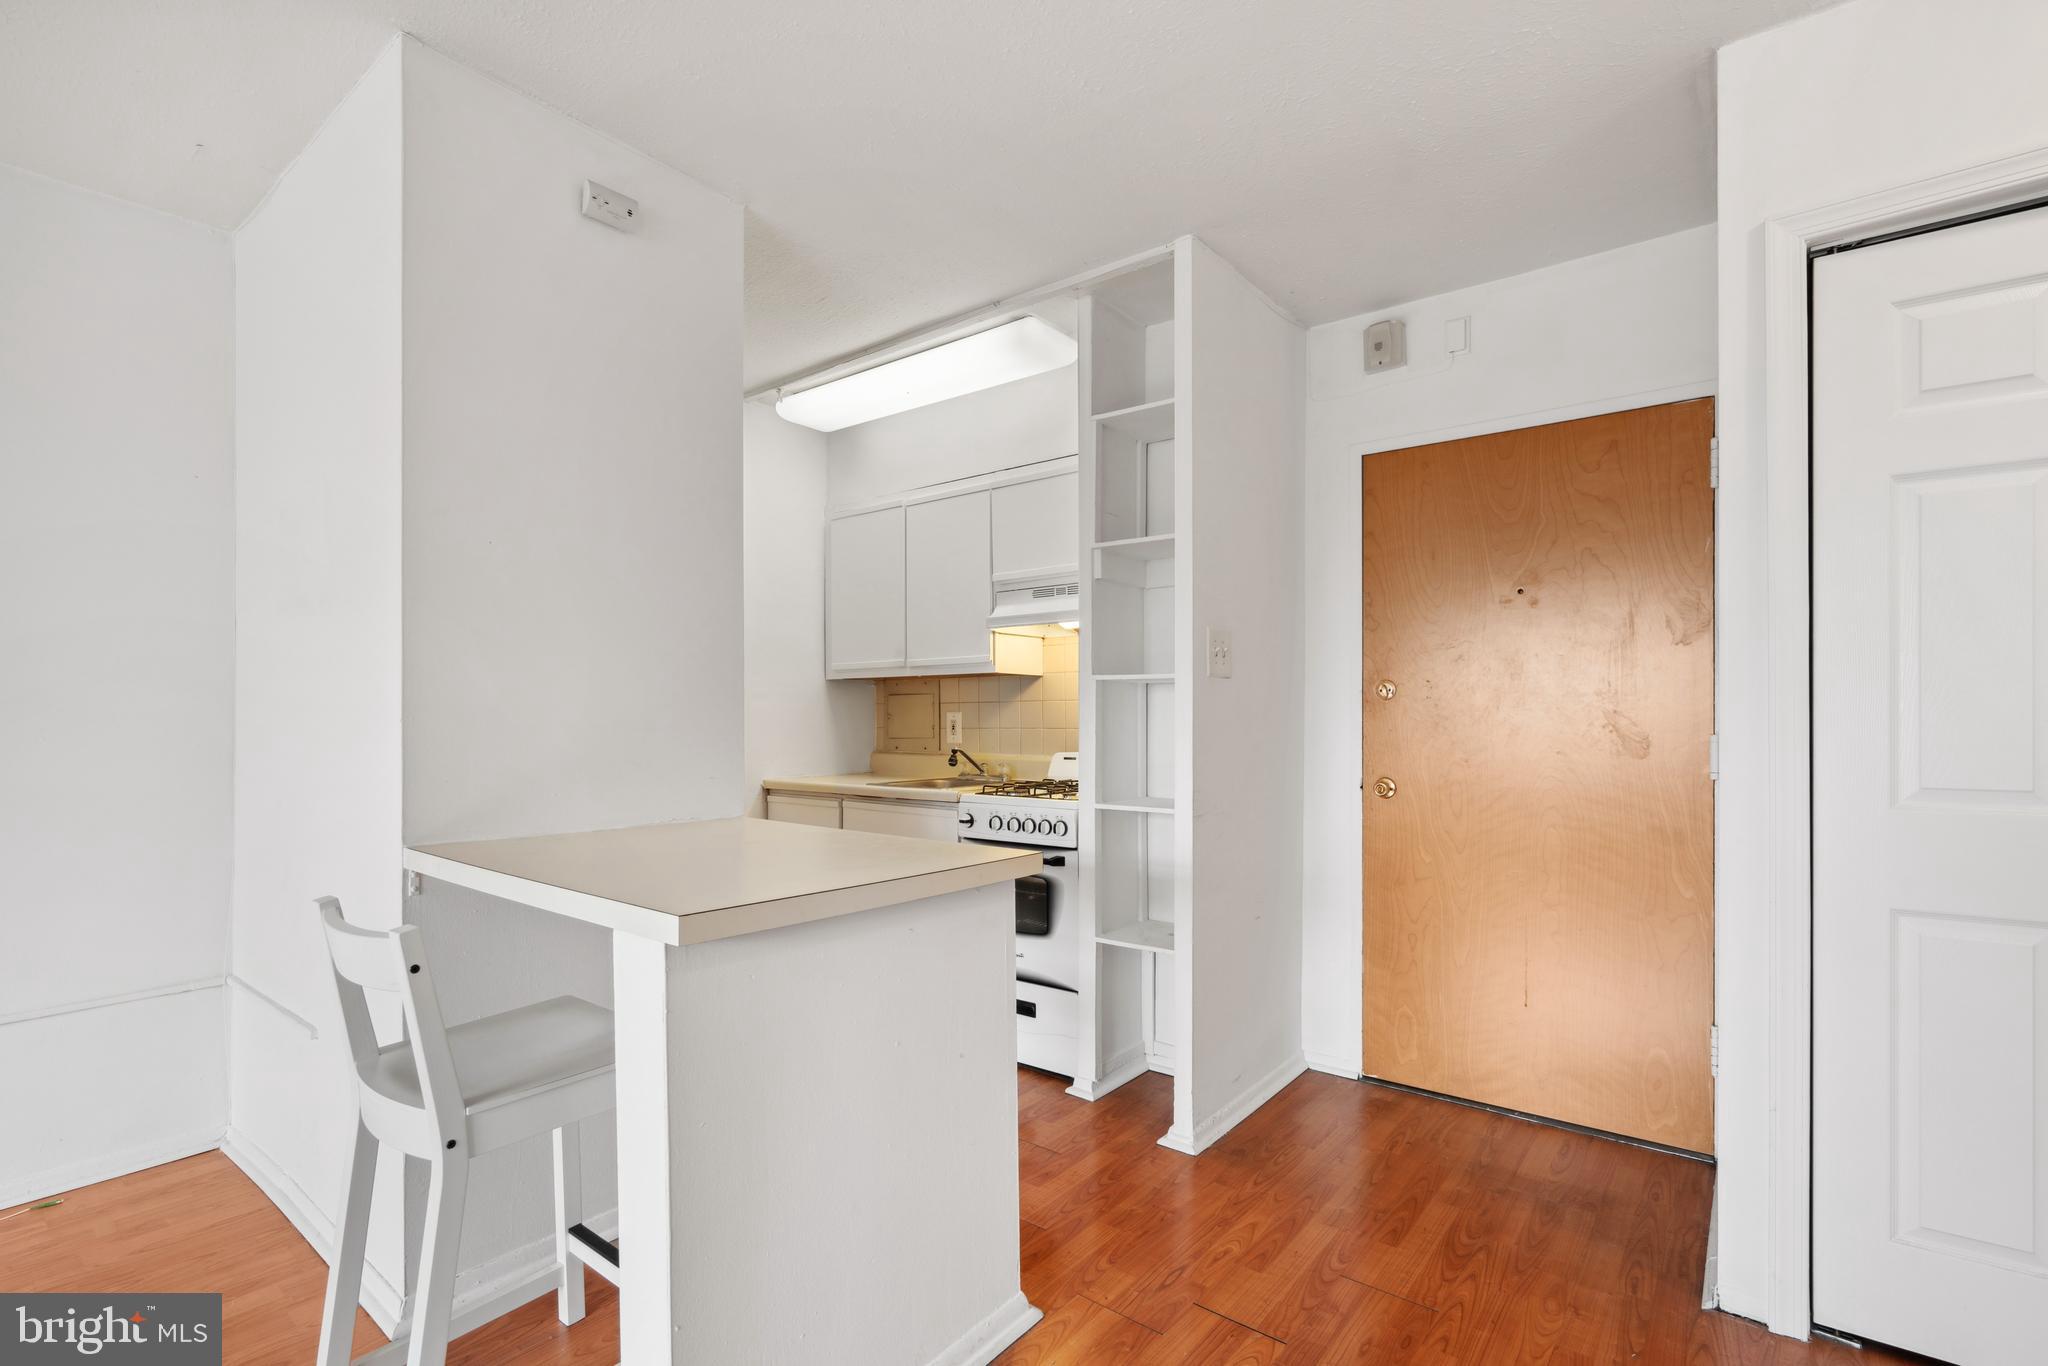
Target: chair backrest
x,y
395,961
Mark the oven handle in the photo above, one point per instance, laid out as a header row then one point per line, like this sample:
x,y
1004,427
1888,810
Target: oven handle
x,y
1054,860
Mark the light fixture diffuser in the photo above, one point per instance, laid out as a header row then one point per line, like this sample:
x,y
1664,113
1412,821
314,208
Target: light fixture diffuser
x,y
1015,350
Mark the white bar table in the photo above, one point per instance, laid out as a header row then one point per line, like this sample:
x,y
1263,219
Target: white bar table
x,y
817,1090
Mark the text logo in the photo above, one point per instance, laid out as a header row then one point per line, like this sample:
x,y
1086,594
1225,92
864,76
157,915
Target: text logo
x,y
161,1330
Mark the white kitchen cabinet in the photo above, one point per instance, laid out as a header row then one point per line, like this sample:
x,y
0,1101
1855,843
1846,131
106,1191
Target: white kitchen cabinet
x,y
804,809
1035,527
918,820
946,583
864,594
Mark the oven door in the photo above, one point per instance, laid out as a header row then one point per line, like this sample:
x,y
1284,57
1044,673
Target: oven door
x,y
1048,924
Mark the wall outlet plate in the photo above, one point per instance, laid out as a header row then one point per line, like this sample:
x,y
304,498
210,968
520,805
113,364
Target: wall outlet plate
x,y
1219,653
610,207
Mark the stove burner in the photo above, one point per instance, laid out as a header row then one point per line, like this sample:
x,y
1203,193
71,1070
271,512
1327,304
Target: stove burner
x,y
1053,789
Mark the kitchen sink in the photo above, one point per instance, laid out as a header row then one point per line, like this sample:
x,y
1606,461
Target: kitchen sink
x,y
939,784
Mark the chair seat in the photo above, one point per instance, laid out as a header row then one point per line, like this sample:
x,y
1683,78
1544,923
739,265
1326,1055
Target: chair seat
x,y
504,1058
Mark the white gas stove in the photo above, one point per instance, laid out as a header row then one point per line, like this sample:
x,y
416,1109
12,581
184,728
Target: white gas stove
x,y
1041,813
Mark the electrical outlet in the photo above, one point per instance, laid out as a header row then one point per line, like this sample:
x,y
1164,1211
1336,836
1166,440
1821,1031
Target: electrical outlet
x,y
953,728
1219,653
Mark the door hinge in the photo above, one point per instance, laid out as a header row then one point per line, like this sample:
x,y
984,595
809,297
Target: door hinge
x,y
1714,758
1714,462
412,884
1713,1050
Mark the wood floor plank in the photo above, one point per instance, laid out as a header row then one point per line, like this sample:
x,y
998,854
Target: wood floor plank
x,y
1342,1224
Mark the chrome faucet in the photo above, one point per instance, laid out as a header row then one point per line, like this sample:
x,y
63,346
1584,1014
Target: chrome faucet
x,y
954,757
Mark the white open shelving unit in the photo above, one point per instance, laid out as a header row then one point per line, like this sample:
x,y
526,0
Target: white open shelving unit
x,y
1189,389
1132,656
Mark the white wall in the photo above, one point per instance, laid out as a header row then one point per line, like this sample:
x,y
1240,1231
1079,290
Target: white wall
x,y
1856,100
797,723
572,559
116,683
1018,423
1241,520
1623,329
317,776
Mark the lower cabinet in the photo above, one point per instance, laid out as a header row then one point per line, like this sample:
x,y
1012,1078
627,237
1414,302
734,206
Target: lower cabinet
x,y
803,810
919,820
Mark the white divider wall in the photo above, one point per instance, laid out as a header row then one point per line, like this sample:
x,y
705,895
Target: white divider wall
x,y
1240,378
489,537
317,777
572,638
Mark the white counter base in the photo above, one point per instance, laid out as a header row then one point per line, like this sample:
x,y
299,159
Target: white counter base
x,y
819,1124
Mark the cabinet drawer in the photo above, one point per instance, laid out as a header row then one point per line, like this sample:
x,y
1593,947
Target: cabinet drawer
x,y
918,820
803,810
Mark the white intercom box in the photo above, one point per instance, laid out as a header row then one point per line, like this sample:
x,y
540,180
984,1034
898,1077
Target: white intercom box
x,y
1386,345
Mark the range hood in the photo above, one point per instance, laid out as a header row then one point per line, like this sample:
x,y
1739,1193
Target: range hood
x,y
1036,601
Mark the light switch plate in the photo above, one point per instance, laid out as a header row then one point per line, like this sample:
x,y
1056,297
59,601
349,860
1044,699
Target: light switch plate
x,y
1219,653
952,727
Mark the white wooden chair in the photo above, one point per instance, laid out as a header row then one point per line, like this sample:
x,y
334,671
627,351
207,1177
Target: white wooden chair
x,y
446,1095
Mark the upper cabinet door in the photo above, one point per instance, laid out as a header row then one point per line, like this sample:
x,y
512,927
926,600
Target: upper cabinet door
x,y
947,602
864,593
1036,526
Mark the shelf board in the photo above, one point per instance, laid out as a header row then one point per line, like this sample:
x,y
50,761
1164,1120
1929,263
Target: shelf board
x,y
1147,805
1140,547
1145,421
1146,936
1132,678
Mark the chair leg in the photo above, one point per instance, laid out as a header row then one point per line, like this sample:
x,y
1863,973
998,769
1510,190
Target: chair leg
x,y
436,1293
345,1276
568,1211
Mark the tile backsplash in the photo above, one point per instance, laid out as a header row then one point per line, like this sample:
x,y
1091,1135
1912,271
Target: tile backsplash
x,y
999,714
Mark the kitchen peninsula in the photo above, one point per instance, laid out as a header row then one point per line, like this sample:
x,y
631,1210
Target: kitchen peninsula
x,y
816,1081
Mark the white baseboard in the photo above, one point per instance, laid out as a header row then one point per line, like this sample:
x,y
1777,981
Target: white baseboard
x,y
990,1338
384,1301
1230,1115
1333,1064
20,1190
1126,1069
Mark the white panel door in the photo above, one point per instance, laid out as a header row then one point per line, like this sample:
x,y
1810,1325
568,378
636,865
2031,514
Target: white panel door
x,y
864,593
1035,526
1930,792
947,594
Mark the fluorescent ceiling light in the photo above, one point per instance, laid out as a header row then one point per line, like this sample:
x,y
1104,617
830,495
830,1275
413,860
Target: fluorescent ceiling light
x,y
1016,350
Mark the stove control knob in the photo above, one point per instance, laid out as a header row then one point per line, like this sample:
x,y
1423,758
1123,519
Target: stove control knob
x,y
1037,827
967,819
1059,827
995,823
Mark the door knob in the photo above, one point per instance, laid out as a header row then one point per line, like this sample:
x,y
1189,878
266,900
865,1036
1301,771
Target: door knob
x,y
1384,787
1386,689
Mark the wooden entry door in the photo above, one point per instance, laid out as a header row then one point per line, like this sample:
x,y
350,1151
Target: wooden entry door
x,y
1538,694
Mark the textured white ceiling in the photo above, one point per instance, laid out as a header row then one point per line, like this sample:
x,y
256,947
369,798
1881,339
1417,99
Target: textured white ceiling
x,y
902,160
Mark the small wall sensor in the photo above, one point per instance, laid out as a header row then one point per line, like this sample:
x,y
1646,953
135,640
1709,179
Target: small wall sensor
x,y
610,207
1386,344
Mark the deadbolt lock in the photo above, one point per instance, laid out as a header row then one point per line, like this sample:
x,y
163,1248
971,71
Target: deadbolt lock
x,y
1386,689
1384,787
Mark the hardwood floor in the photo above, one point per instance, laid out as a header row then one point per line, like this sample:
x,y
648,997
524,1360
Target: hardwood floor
x,y
1342,1223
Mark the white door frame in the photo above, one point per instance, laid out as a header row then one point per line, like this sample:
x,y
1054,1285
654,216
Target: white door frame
x,y
1787,244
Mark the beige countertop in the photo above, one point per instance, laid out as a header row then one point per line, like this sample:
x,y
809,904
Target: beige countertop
x,y
694,881
863,785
